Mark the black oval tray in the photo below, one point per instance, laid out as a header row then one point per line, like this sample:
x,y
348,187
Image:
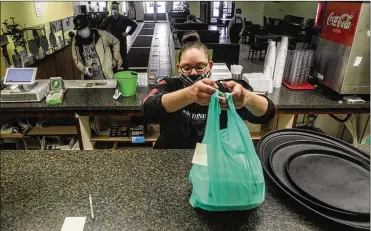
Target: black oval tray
x,y
294,134
344,187
281,154
284,152
298,134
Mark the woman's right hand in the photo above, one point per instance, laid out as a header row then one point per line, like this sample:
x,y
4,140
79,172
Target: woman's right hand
x,y
202,90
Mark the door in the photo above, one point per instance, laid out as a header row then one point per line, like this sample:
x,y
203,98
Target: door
x,y
154,11
220,11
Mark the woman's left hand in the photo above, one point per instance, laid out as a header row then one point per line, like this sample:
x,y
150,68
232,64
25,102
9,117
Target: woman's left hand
x,y
239,94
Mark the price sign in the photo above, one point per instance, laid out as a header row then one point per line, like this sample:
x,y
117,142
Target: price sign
x,y
137,139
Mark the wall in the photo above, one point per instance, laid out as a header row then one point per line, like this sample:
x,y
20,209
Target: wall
x,y
303,9
75,6
169,6
139,8
279,10
253,11
25,15
274,10
194,7
24,12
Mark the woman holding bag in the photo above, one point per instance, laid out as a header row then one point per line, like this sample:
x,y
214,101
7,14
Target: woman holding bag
x,y
180,103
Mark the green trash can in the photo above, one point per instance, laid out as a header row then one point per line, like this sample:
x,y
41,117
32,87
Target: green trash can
x,y
127,81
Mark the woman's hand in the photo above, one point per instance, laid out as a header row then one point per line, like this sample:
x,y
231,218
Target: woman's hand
x,y
201,91
240,95
256,104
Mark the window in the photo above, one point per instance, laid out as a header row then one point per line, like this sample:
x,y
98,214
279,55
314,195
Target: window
x,y
161,8
178,5
227,9
95,6
149,8
123,8
222,9
216,9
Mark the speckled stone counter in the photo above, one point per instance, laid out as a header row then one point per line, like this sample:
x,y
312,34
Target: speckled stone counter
x,y
316,101
131,190
100,100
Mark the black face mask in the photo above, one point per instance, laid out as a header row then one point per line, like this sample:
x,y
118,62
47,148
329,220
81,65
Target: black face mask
x,y
191,79
89,40
195,78
84,41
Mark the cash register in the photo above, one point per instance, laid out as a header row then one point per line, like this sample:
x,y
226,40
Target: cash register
x,y
21,86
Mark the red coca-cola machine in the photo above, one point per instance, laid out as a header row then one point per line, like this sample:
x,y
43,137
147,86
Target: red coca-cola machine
x,y
342,58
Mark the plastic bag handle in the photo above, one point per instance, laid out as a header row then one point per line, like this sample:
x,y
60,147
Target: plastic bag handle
x,y
230,102
214,111
213,115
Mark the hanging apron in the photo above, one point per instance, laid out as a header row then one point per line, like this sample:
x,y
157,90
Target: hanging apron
x,y
235,31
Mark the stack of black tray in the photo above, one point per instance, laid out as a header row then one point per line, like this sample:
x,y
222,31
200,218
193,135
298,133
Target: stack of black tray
x,y
325,175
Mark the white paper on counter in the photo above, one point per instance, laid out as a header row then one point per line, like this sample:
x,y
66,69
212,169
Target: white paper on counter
x,y
357,61
142,79
73,224
200,155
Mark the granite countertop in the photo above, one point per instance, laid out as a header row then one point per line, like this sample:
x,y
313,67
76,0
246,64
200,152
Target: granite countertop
x,y
287,99
134,189
100,99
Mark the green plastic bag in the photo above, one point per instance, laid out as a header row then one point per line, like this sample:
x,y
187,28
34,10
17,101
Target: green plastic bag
x,y
233,178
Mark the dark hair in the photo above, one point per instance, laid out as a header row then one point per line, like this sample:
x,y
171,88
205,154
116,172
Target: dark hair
x,y
191,39
239,9
114,5
191,17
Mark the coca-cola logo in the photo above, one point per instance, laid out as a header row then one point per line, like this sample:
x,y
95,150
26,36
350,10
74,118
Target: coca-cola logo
x,y
343,21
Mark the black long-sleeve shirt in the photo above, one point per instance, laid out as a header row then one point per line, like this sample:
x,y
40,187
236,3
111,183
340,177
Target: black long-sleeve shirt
x,y
118,26
184,128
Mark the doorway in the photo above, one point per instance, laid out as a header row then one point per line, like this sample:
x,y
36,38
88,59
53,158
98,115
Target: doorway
x,y
221,12
154,11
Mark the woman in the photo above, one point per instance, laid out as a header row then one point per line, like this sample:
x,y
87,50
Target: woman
x,y
180,104
236,27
